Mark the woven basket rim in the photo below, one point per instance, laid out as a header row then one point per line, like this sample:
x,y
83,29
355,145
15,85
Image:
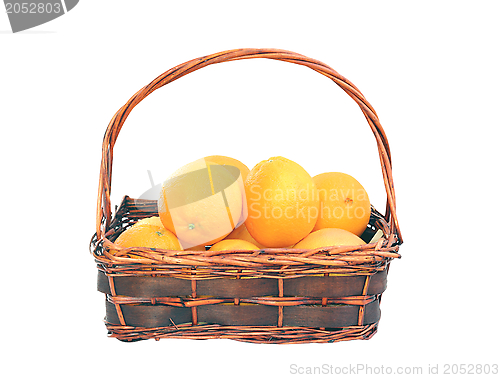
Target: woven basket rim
x,y
286,262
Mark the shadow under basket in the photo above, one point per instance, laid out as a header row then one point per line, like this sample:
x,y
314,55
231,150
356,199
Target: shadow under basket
x,y
273,295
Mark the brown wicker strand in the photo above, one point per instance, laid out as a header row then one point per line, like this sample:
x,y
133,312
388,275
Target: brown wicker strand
x,y
280,307
194,313
117,305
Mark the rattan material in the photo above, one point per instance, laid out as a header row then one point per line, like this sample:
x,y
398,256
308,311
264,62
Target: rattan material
x,y
274,295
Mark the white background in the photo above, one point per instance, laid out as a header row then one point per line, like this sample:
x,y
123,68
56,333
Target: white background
x,y
429,68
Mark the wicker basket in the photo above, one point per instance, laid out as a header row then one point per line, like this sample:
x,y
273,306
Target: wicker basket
x,y
274,295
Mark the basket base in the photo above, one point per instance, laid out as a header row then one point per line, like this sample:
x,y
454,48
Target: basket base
x,y
251,334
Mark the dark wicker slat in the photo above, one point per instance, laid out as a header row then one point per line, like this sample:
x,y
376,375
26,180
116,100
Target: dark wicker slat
x,y
334,316
314,287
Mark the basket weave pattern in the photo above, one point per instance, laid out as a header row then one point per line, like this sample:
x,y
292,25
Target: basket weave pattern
x,y
274,295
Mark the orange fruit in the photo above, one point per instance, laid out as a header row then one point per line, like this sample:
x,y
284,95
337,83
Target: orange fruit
x,y
201,203
328,237
233,244
229,161
242,233
148,236
282,201
242,169
196,248
344,203
154,221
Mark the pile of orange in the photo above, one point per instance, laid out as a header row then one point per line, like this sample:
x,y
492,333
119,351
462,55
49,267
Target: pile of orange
x,y
217,203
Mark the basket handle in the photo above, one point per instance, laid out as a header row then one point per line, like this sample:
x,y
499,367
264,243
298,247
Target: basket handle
x,y
116,123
